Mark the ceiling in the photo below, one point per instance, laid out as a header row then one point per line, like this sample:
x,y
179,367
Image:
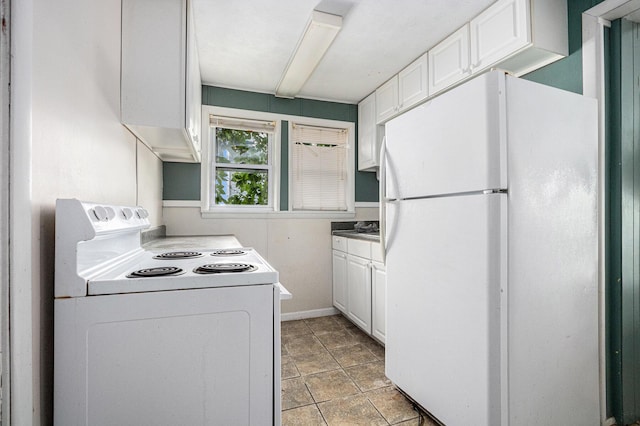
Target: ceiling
x,y
247,44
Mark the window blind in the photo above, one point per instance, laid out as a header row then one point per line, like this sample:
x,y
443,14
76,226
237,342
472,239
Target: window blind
x,y
319,168
243,124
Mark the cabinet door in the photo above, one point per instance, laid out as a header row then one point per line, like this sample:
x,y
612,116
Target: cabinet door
x,y
359,291
194,86
340,300
378,301
498,32
387,100
449,60
367,147
412,83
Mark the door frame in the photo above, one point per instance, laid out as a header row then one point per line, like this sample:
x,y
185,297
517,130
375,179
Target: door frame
x,y
594,24
5,78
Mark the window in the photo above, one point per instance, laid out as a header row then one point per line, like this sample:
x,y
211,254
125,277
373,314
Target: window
x,y
241,164
319,168
259,164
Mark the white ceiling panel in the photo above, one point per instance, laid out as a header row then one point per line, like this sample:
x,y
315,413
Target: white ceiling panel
x,y
246,44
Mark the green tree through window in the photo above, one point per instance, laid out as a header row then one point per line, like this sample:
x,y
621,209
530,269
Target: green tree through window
x,y
242,160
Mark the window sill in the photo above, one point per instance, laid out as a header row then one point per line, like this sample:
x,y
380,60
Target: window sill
x,y
209,214
277,215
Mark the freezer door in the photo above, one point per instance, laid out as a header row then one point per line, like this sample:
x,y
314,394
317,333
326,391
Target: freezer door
x,y
453,143
445,274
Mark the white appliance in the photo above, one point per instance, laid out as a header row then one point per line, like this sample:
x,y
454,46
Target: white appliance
x,y
491,254
142,338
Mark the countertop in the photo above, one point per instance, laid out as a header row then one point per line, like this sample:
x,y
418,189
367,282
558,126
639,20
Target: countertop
x,y
204,242
367,236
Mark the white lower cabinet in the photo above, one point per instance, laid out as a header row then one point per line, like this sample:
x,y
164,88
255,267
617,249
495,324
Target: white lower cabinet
x,y
359,291
378,301
340,280
359,284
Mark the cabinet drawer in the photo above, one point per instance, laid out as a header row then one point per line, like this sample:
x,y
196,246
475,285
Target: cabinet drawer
x,y
359,248
339,243
376,252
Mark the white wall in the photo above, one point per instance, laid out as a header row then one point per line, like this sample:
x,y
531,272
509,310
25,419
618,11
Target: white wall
x,y
78,148
300,249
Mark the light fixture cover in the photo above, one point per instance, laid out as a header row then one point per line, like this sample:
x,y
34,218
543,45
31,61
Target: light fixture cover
x,y
320,32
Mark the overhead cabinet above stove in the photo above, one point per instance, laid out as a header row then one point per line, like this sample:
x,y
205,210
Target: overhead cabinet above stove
x,y
161,87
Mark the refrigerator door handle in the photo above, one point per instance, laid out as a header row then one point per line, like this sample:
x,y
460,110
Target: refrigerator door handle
x,y
382,197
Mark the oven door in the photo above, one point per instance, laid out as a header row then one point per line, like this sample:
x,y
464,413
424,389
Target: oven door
x,y
187,357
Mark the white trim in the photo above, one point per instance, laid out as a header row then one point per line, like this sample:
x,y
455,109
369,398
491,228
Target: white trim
x,y
279,215
315,313
367,204
25,365
208,110
350,193
196,203
594,85
5,245
180,203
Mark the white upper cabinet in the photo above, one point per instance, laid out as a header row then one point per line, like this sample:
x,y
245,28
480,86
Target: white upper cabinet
x,y
519,36
403,91
498,31
160,84
449,61
368,141
412,83
387,100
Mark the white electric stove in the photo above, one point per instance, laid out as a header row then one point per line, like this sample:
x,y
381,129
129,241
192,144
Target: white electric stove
x,y
160,337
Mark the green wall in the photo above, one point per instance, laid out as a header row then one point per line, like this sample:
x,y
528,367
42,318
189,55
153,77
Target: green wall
x,y
182,180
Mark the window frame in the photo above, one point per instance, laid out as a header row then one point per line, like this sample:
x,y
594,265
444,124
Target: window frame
x,y
268,168
350,162
257,212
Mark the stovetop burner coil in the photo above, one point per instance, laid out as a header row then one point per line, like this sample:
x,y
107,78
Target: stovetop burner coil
x,y
228,252
178,255
162,271
218,268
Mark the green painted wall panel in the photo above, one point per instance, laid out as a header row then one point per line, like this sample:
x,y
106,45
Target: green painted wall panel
x,y
566,73
181,181
284,166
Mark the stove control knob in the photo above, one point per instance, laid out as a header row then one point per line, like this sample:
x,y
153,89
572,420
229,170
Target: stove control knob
x,y
111,213
142,213
127,213
101,213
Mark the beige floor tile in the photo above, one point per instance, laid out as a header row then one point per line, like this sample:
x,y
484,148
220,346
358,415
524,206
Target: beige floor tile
x,y
393,406
303,416
288,368
342,320
426,421
369,376
353,410
315,362
348,356
302,344
336,338
321,325
330,385
376,348
294,328
295,394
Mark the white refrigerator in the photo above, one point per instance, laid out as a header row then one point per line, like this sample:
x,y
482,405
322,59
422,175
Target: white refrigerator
x,y
491,254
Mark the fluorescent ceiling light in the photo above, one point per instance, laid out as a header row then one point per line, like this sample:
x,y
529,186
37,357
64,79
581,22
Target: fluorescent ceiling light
x,y
316,39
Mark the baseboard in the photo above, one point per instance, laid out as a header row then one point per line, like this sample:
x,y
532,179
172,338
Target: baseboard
x,y
290,316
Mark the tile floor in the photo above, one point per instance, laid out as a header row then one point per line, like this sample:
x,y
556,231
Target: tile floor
x,y
333,374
